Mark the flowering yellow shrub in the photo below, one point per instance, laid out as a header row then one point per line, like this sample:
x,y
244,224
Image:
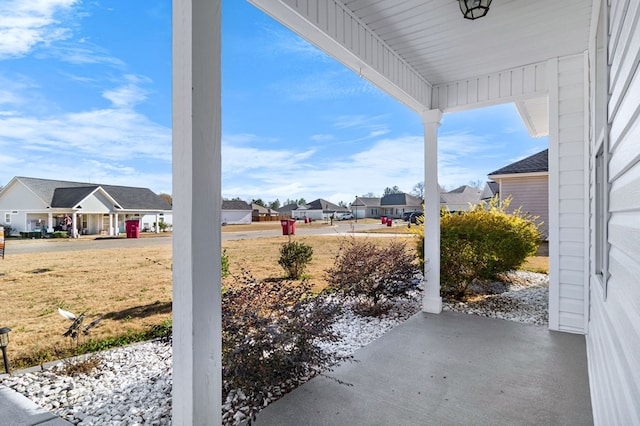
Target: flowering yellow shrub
x,y
481,243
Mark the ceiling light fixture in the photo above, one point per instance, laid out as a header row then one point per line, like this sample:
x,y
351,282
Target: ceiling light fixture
x,y
474,9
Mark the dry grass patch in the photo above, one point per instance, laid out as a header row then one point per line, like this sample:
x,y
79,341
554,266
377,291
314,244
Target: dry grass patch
x,y
260,257
130,288
538,264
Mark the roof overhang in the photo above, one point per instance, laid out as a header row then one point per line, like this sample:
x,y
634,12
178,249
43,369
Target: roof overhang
x,y
427,56
518,175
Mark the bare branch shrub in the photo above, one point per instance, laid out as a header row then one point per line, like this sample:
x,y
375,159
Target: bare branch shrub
x,y
375,272
270,337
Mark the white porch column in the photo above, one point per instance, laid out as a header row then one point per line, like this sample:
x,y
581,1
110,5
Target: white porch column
x,y
157,223
50,222
117,228
74,225
197,341
111,232
431,302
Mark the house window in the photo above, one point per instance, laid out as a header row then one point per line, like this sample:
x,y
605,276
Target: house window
x,y
374,212
7,218
601,151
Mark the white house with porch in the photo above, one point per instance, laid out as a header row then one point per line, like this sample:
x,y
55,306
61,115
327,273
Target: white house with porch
x,y
571,69
44,205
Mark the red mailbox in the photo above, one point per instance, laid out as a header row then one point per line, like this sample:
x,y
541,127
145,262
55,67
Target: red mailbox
x,y
389,221
132,227
383,220
288,226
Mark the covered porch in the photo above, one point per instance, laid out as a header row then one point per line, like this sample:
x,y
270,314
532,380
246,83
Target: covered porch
x,y
425,55
448,369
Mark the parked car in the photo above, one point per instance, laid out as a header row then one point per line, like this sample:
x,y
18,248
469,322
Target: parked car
x,y
412,217
346,216
406,216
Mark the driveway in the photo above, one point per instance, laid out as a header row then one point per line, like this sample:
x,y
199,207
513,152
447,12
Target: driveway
x,y
91,243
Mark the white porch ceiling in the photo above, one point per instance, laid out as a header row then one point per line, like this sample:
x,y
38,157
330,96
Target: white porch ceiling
x,y
410,47
435,40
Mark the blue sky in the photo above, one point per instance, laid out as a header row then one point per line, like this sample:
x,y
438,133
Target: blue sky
x,y
85,94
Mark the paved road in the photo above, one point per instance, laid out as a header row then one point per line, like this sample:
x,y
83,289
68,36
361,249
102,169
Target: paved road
x,y
90,243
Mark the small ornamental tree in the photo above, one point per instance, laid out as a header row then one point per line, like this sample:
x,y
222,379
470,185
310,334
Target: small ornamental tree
x,y
294,258
481,243
363,268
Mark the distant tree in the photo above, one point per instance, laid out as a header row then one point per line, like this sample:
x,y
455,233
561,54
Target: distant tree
x,y
274,205
394,190
299,202
162,195
237,199
342,204
478,184
418,190
369,195
258,201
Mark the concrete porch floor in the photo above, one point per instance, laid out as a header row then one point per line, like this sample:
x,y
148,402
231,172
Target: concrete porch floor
x,y
450,369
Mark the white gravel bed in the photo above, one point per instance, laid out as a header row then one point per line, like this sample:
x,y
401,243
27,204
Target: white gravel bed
x,y
526,300
132,384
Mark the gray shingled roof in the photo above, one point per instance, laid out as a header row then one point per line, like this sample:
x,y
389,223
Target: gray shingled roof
x,y
368,201
70,197
461,196
324,205
235,205
535,163
491,188
66,194
400,199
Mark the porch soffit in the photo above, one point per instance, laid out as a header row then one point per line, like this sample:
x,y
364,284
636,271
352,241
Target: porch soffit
x,y
434,39
431,38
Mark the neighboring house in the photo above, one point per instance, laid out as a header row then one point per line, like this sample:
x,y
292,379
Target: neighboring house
x,y
460,199
45,205
318,210
148,222
236,212
363,207
527,183
287,210
573,76
259,211
393,205
491,189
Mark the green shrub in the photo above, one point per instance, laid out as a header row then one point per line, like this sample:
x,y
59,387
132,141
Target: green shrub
x,y
294,258
271,336
479,244
8,229
363,268
59,234
224,262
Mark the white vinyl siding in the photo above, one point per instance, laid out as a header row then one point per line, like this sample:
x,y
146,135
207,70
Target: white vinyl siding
x,y
19,197
531,193
568,215
613,342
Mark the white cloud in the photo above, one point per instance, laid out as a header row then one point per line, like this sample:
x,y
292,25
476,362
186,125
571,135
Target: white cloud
x,y
322,86
107,133
85,53
27,24
129,94
267,174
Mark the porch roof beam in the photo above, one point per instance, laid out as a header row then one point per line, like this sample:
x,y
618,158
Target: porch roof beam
x,y
338,32
510,85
